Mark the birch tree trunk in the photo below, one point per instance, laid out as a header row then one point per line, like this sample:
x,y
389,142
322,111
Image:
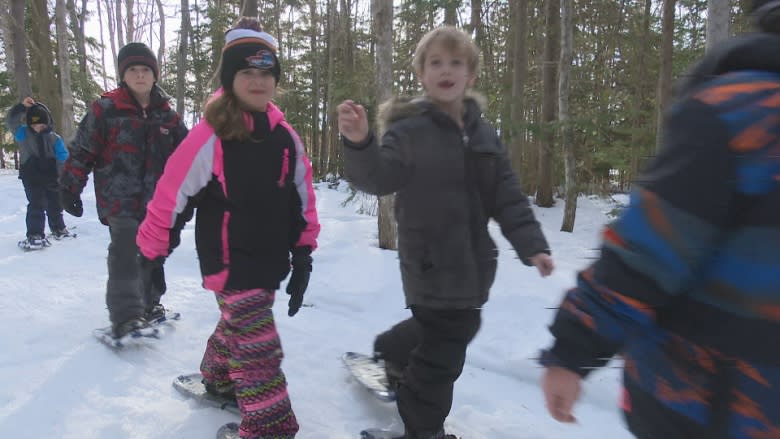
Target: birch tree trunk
x,y
383,28
567,131
65,128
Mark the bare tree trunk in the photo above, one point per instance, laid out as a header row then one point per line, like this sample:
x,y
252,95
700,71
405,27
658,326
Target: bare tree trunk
x,y
316,146
544,194
111,39
161,49
130,21
665,72
451,12
328,101
102,46
6,23
181,55
42,59
639,93
383,30
77,27
120,36
519,73
250,9
66,89
717,22
567,130
21,71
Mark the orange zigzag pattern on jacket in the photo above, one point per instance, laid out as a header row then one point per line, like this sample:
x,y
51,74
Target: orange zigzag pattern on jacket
x,y
723,93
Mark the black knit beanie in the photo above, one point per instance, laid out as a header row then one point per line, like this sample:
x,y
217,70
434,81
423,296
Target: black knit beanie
x,y
245,49
766,15
37,113
134,54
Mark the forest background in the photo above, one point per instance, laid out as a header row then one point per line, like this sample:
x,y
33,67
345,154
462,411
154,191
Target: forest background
x,y
575,87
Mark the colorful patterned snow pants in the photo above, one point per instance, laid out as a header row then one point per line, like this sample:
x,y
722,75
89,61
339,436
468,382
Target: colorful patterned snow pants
x,y
245,351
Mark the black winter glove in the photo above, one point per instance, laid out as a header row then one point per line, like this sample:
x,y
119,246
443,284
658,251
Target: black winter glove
x,y
299,280
71,203
152,272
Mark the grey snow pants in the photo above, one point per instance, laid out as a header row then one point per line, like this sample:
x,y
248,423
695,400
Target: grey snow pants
x,y
129,294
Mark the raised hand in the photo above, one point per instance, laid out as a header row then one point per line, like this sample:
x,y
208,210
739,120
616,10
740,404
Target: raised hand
x,y
561,389
544,263
28,102
353,122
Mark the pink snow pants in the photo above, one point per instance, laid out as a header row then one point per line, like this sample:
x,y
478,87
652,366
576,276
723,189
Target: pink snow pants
x,y
245,351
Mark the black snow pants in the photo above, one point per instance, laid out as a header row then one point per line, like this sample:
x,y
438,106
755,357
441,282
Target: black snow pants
x,y
430,348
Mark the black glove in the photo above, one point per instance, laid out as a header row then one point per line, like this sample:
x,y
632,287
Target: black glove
x,y
71,203
299,280
152,272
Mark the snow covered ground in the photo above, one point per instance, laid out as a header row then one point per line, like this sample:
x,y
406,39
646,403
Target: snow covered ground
x,y
59,382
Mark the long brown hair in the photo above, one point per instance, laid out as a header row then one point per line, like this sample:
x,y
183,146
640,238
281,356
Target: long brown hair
x,y
225,115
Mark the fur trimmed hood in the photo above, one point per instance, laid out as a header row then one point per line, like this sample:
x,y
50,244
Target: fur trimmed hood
x,y
397,108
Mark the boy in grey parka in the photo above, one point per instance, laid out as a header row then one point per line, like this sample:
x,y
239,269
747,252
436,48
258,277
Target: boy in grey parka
x,y
451,174
41,155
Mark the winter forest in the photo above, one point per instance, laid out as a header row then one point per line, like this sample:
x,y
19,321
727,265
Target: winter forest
x,y
575,87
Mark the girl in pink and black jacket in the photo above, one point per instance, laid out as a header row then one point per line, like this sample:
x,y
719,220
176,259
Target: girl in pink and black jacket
x,y
246,171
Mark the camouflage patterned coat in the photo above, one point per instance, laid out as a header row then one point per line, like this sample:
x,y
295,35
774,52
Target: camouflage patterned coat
x,y
126,147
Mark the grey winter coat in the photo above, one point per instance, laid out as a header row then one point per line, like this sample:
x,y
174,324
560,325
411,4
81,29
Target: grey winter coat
x,y
448,184
40,154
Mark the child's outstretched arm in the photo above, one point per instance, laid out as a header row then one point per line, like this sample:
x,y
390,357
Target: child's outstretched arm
x,y
373,167
353,122
513,213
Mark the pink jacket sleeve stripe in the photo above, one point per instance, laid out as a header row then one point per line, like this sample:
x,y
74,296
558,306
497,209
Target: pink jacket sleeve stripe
x,y
303,183
187,171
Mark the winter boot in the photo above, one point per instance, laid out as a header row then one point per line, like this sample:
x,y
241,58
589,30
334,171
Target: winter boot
x,y
394,374
225,392
428,435
155,313
122,329
228,431
34,242
60,233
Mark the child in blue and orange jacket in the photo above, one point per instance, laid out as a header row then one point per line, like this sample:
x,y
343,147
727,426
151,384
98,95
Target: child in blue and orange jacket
x,y
687,287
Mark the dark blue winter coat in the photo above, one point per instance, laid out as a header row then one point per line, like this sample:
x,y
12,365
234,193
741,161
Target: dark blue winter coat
x,y
688,284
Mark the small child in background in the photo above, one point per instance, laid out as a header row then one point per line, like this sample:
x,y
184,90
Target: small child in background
x,y
246,171
451,174
41,156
